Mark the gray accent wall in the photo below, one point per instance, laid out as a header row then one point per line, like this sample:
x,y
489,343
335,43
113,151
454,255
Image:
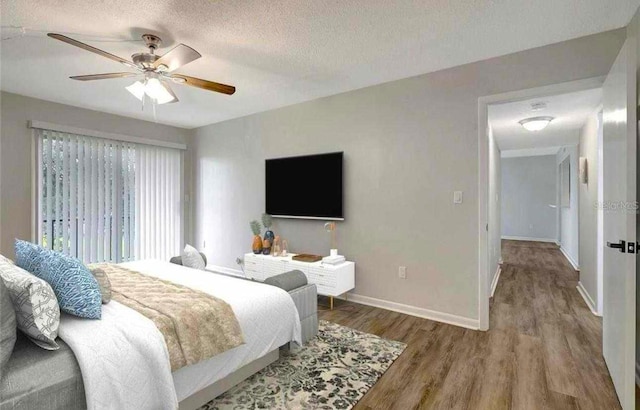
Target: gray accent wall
x,y
16,142
528,188
408,145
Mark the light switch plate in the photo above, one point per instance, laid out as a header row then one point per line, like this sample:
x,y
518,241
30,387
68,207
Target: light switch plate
x,y
457,197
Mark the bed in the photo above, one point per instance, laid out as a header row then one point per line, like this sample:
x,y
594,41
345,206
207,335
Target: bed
x,y
121,361
35,378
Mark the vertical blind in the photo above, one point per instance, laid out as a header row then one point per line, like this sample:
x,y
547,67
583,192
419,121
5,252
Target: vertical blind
x,y
157,206
106,200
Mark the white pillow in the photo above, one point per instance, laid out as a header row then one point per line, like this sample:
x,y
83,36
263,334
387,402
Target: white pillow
x,y
191,258
35,304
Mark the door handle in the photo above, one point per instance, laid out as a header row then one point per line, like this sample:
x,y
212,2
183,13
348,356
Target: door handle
x,y
621,245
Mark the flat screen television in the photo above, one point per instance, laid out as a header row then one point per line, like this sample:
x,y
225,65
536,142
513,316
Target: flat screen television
x,y
306,187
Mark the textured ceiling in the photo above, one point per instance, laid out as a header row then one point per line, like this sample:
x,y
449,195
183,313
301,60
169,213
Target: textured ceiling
x,y
570,112
276,53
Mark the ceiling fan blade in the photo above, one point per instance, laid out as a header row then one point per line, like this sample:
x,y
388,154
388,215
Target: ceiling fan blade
x,y
204,84
87,47
177,57
102,76
170,91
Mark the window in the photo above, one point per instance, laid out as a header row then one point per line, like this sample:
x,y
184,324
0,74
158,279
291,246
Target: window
x,y
106,200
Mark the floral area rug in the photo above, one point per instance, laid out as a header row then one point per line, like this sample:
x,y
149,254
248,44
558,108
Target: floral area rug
x,y
333,371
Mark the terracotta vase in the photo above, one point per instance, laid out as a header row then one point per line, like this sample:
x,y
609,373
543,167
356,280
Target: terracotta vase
x,y
266,247
257,244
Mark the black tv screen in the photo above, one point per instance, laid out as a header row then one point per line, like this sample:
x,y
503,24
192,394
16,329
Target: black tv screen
x,y
305,187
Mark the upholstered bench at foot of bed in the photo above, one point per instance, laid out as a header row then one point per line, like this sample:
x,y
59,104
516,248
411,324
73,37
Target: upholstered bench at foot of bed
x,y
305,297
306,300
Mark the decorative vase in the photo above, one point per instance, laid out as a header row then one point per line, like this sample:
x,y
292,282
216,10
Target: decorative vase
x,y
266,247
276,247
268,239
269,236
257,244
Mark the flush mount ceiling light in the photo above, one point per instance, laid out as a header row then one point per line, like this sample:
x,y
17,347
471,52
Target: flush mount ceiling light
x,y
535,123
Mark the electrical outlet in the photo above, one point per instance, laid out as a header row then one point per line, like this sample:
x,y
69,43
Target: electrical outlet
x,y
402,272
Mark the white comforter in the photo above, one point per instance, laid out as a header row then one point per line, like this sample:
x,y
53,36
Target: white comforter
x,y
123,357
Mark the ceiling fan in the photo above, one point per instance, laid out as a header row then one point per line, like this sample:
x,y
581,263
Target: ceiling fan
x,y
154,71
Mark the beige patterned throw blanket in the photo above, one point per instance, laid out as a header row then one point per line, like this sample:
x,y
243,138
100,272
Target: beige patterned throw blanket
x,y
195,325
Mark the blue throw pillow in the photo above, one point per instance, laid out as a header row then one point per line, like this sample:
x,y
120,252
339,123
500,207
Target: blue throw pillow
x,y
75,287
29,256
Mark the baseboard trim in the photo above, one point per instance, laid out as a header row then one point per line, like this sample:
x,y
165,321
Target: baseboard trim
x,y
587,298
417,311
494,282
529,239
570,259
225,271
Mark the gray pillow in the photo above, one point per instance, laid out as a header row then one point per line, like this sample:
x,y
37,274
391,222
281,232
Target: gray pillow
x,y
35,305
178,259
191,258
103,281
7,326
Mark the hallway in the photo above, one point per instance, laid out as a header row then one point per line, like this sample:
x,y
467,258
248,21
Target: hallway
x,y
539,310
543,350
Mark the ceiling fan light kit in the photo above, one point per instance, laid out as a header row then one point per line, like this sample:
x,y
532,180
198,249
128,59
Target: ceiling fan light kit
x,y
153,88
153,71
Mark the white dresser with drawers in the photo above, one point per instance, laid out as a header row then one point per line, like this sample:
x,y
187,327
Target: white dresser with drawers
x,y
331,280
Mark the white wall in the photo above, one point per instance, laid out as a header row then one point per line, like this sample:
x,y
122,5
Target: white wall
x,y
495,200
588,220
528,188
569,218
408,145
635,29
16,153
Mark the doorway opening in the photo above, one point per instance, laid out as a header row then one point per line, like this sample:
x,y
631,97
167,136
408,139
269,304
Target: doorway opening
x,y
544,231
544,199
545,183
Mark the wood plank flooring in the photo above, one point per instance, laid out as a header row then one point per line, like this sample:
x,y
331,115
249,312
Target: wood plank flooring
x,y
543,349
